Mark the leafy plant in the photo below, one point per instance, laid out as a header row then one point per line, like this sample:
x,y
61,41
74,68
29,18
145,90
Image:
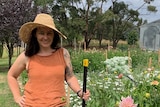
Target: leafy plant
x,y
118,64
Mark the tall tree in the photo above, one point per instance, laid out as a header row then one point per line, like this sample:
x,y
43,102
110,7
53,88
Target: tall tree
x,y
13,14
68,18
120,19
92,17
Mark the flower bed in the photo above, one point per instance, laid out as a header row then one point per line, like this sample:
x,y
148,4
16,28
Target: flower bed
x,y
109,88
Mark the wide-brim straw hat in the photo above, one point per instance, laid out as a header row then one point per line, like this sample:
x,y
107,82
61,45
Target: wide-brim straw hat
x,y
40,20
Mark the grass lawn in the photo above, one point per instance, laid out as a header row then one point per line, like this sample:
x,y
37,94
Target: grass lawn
x,y
6,98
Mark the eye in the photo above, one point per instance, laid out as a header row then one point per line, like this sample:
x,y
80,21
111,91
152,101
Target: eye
x,y
41,33
50,33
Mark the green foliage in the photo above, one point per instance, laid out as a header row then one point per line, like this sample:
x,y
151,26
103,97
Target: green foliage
x,y
144,85
42,2
95,58
107,88
141,58
152,9
132,38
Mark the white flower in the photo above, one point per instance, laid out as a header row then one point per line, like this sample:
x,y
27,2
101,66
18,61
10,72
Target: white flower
x,y
117,64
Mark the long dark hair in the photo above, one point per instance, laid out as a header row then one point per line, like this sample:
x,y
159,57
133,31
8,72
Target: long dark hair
x,y
32,47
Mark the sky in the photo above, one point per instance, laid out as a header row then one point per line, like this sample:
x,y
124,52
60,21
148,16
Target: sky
x,y
135,4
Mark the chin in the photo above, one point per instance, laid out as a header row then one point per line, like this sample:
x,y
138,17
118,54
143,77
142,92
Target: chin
x,y
46,45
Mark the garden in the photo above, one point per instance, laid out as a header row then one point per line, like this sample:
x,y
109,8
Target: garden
x,y
120,78
116,78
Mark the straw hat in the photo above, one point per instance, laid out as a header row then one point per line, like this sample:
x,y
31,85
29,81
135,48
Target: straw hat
x,y
40,20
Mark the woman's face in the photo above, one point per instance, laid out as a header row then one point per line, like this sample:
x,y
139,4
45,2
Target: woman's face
x,y
44,36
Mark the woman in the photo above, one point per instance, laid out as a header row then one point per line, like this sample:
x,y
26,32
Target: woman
x,y
47,65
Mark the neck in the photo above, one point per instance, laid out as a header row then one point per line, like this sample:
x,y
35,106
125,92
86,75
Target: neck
x,y
46,51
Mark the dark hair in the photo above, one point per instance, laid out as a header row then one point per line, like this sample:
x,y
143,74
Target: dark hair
x,y
32,47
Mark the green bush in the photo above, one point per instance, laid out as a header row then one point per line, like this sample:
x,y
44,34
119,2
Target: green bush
x,y
96,60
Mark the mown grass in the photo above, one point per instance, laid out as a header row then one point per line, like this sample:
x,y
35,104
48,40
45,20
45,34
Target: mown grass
x,y
6,98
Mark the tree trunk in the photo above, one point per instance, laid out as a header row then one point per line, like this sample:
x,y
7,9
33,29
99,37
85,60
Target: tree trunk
x,y
1,49
10,54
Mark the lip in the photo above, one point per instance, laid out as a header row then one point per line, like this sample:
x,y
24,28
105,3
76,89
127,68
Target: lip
x,y
45,41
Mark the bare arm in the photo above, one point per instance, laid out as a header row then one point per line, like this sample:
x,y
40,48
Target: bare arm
x,y
71,78
13,73
69,75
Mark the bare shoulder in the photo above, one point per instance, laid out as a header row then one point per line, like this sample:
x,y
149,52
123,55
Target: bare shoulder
x,y
23,56
22,59
66,53
19,65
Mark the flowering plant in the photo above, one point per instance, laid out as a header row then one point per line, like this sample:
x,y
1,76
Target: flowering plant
x,y
118,65
127,102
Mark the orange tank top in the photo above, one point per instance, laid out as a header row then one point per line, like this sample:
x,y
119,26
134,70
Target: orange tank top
x,y
45,86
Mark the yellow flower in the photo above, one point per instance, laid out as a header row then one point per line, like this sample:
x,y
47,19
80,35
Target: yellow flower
x,y
158,76
115,72
130,70
147,95
106,78
154,82
117,104
145,72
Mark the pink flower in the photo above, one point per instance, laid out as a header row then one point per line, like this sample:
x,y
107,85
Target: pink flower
x,y
120,76
127,102
154,82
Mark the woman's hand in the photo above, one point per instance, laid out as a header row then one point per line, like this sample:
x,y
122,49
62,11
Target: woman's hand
x,y
20,101
84,95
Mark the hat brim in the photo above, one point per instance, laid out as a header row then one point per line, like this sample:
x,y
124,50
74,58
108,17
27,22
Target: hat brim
x,y
26,29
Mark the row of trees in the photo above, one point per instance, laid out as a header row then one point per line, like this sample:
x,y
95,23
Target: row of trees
x,y
83,20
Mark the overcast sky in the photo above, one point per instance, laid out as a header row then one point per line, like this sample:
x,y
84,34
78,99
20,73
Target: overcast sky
x,y
135,4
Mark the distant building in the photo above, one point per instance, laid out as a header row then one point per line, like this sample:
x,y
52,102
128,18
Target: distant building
x,y
150,36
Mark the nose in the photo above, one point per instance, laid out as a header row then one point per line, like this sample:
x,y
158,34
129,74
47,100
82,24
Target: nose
x,y
45,36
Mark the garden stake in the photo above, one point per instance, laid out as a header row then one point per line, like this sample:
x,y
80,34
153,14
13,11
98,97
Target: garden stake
x,y
85,64
150,62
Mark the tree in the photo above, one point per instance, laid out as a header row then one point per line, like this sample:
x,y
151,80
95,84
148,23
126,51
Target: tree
x,y
68,18
132,37
78,21
85,19
120,19
13,14
93,16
